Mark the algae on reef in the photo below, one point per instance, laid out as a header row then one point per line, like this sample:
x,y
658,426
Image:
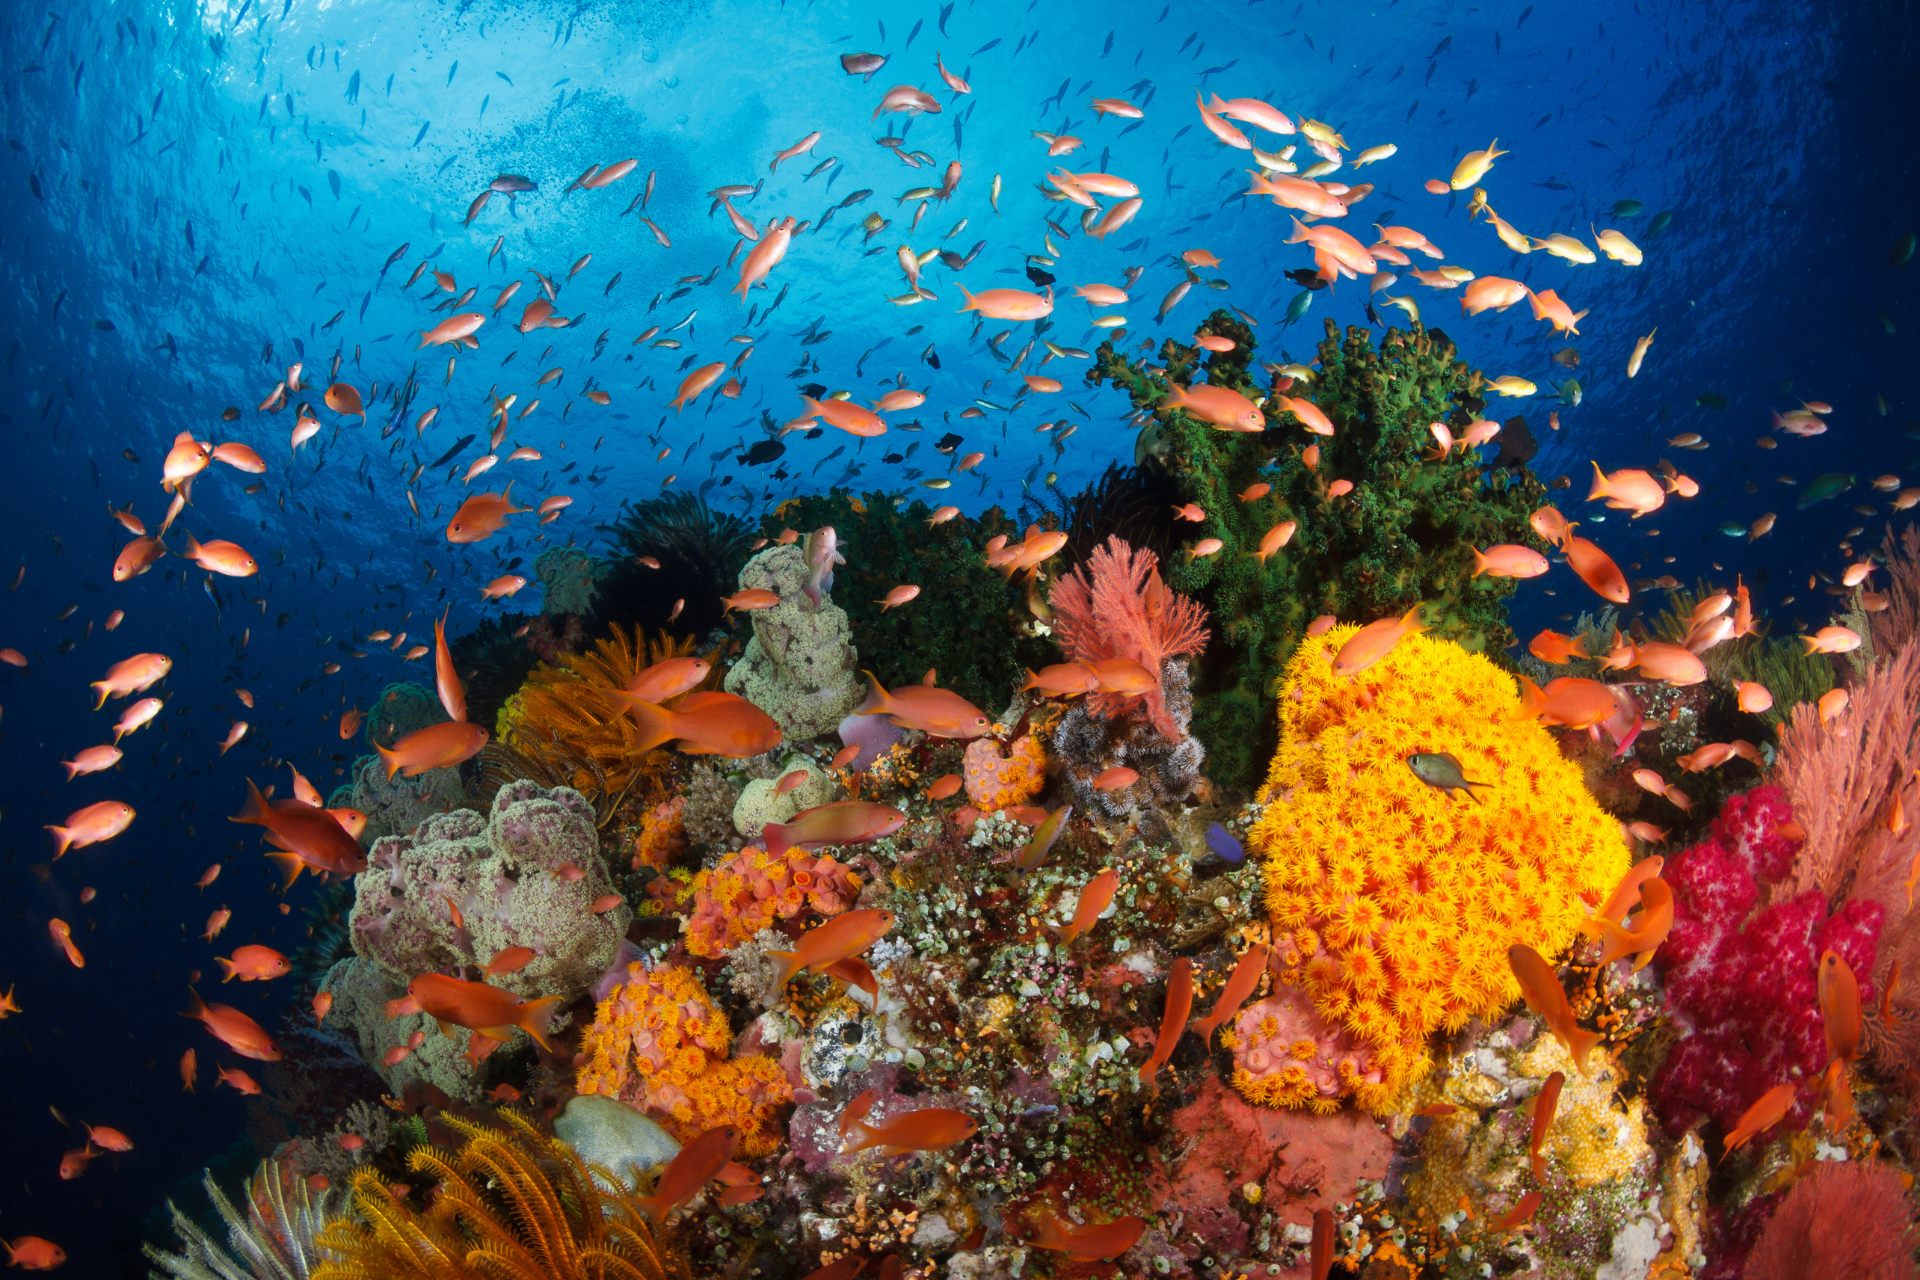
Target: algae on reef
x,y
1405,535
968,624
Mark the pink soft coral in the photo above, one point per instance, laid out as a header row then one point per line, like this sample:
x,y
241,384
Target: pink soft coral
x,y
1125,611
1741,977
1844,1219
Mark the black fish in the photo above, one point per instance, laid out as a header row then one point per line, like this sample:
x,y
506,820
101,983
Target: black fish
x,y
1517,445
889,460
948,442
1041,279
448,456
813,389
764,452
1306,279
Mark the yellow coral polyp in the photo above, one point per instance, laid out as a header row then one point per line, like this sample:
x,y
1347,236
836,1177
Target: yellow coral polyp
x,y
1418,892
660,1044
995,781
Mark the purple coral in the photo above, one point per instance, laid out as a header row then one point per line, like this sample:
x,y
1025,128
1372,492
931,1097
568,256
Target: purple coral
x,y
1741,973
509,877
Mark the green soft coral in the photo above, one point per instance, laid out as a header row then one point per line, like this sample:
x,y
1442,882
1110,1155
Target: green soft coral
x,y
968,623
1405,535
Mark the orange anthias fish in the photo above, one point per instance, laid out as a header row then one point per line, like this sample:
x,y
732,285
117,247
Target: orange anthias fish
x,y
31,1253
1320,1247
108,1139
1628,490
1544,1104
216,555
437,746
1770,1110
1521,1213
510,960
309,836
843,822
1063,680
1840,1008
1375,641
92,825
709,723
234,1029
238,1079
847,934
1557,650
482,516
928,1129
253,963
189,1069
1628,893
1095,896
1540,988
668,679
478,1007
1240,984
938,712
131,675
1597,569
63,936
1091,1243
1573,701
1173,1022
453,694
697,1164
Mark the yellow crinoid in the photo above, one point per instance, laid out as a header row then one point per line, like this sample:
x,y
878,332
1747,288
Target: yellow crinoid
x,y
1414,893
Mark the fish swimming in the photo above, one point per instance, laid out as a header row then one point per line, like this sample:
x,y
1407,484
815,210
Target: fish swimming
x,y
1441,771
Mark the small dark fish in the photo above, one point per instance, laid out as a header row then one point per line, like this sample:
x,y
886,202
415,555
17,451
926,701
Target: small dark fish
x,y
948,443
448,456
1711,400
1307,279
1902,251
230,414
1224,844
508,184
764,452
423,132
1517,445
1660,223
1041,279
1440,770
813,389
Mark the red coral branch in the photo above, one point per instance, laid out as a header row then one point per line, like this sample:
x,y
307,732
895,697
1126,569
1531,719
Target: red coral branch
x,y
1125,611
1899,623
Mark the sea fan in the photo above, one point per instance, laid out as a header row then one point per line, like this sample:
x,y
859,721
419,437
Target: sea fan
x,y
510,1202
1109,615
699,551
273,1240
1844,1219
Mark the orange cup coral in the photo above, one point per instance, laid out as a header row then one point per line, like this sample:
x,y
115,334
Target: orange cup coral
x,y
660,1044
753,888
996,781
1400,900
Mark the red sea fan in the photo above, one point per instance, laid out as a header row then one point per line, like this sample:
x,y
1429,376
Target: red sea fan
x,y
1125,611
1845,1219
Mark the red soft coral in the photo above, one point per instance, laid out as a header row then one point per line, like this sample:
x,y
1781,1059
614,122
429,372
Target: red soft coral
x,y
1125,611
1844,1219
1742,977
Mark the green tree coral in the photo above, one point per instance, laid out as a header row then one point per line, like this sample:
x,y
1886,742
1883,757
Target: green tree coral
x,y
1404,535
968,624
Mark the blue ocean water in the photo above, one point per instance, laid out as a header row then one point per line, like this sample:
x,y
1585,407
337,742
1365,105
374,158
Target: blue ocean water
x,y
197,196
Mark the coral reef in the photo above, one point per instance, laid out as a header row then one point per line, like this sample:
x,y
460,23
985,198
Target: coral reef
x,y
1405,533
275,1237
1169,768
659,1044
799,667
508,1201
401,709
464,888
1741,974
568,580
362,992
609,1133
997,779
1398,901
698,549
967,623
1840,1220
662,836
396,805
760,802
706,819
750,890
493,659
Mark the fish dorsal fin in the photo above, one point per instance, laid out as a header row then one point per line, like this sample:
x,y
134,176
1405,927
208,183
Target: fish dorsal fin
x,y
927,679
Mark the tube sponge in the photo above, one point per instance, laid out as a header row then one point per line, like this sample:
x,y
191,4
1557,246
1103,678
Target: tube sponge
x,y
1402,899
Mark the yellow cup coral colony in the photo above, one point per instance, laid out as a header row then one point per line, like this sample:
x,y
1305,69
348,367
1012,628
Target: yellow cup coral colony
x,y
660,1044
996,781
1394,902
752,888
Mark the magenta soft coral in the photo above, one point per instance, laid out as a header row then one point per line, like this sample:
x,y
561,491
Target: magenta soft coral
x,y
1741,976
1125,611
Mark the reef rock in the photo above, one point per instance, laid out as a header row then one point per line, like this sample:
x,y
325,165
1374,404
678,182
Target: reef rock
x,y
1168,767
511,877
800,667
606,1131
395,806
568,581
1300,1161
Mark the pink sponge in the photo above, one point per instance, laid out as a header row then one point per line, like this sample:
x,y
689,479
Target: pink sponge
x,y
1741,976
1286,1055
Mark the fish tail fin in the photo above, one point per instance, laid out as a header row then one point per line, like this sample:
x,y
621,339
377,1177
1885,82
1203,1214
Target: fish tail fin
x,y
1410,623
656,723
100,687
779,839
65,837
1299,235
877,699
1479,563
1578,646
1600,487
390,758
788,963
199,1010
1580,1043
1532,700
1616,940
227,968
290,865
255,812
423,341
1033,682
534,1016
